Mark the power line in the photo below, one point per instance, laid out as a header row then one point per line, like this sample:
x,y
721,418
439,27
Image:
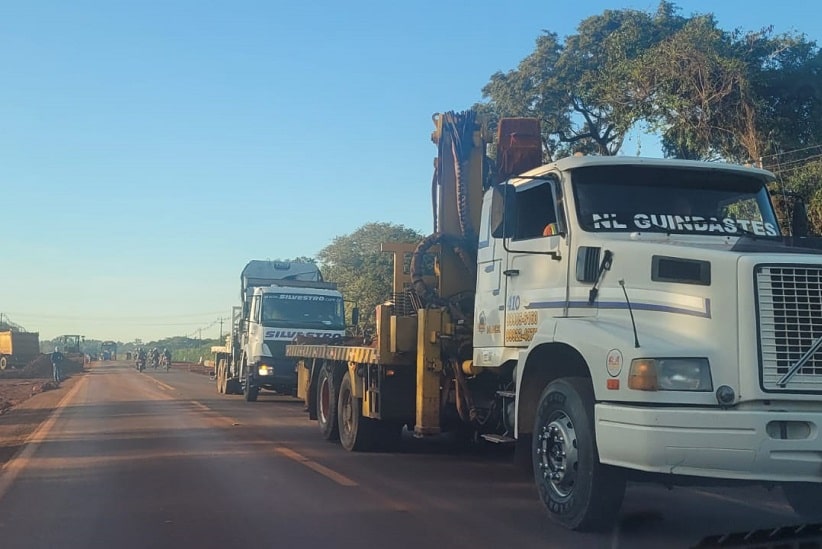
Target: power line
x,y
791,151
37,316
787,167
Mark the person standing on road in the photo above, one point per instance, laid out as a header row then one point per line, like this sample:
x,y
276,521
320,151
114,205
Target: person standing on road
x,y
56,359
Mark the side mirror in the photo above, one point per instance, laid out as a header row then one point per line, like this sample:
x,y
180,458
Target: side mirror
x,y
799,218
503,211
355,316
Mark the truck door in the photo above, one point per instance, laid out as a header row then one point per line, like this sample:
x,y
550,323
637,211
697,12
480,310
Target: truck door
x,y
536,270
488,308
255,327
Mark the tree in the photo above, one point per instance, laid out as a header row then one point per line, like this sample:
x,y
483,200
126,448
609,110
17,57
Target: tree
x,y
300,259
798,172
580,89
532,90
787,75
708,93
362,272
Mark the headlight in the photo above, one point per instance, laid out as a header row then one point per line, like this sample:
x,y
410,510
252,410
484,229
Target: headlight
x,y
265,370
670,374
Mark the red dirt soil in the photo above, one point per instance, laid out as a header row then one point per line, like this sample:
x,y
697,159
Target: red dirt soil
x,y
17,386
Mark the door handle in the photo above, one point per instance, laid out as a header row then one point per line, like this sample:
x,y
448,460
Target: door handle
x,y
511,272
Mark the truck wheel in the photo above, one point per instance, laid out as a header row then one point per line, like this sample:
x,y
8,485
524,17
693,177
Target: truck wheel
x,y
805,499
4,363
356,431
579,492
327,393
250,392
221,377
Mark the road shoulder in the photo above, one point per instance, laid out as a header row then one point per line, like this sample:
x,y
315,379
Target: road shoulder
x,y
17,424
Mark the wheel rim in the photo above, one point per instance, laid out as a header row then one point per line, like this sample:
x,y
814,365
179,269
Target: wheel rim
x,y
347,411
558,454
325,400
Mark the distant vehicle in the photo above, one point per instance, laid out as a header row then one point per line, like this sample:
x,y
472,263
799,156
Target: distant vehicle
x,y
280,300
18,348
140,360
108,350
69,344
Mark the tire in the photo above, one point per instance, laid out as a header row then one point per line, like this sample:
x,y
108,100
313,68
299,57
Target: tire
x,y
221,378
327,395
356,431
250,393
805,499
579,492
4,362
233,387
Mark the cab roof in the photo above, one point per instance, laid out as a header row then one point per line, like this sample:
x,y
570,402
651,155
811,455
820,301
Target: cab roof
x,y
574,162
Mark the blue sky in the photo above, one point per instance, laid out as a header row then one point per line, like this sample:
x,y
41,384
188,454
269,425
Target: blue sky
x,y
149,149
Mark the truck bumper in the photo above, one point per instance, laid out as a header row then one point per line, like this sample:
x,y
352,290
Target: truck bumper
x,y
728,444
282,378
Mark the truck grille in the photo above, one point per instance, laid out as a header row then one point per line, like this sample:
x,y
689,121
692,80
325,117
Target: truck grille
x,y
790,320
277,348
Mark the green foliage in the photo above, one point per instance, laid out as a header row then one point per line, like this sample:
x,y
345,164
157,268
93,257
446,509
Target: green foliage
x,y
300,259
581,89
182,348
803,178
361,270
185,349
709,93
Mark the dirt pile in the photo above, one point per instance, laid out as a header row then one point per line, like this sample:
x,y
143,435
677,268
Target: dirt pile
x,y
40,367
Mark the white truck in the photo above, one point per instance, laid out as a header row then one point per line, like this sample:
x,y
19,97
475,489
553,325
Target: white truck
x,y
280,301
613,317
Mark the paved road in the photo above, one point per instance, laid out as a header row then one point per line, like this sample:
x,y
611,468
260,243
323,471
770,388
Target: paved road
x,y
160,460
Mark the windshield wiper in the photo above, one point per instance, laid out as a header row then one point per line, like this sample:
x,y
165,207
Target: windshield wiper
x,y
605,265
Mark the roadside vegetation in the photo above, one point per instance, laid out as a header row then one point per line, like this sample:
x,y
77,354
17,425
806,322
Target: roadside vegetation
x,y
707,93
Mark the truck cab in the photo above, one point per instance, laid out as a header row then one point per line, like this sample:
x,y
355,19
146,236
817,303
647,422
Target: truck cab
x,y
277,315
70,344
280,300
666,289
108,350
625,318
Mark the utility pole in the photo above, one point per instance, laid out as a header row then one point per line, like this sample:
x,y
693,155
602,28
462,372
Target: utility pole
x,y
221,319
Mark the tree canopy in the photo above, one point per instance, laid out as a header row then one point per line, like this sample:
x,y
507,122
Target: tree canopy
x,y
362,272
708,93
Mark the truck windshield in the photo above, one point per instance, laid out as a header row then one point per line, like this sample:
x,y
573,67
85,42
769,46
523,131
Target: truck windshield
x,y
303,311
673,200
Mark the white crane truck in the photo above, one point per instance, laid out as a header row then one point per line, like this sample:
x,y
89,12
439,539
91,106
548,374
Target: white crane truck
x,y
280,301
613,317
